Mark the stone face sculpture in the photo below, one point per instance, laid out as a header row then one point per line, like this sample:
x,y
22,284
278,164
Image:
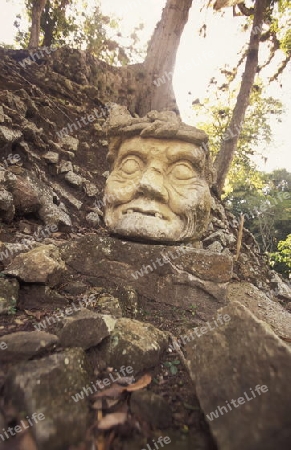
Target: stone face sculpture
x,y
158,189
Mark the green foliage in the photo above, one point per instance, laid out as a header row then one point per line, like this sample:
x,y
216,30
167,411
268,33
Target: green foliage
x,y
281,260
255,131
267,208
8,46
12,308
283,29
172,366
67,23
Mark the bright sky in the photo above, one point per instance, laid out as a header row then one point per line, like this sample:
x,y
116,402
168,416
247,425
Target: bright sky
x,y
197,61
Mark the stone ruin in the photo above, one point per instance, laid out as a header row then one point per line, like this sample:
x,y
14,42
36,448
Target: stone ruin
x,y
171,244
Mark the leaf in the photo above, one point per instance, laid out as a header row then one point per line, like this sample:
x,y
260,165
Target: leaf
x,y
112,420
191,407
19,322
36,314
173,370
167,364
140,384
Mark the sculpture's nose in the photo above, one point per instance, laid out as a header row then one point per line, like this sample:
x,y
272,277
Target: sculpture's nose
x,y
152,185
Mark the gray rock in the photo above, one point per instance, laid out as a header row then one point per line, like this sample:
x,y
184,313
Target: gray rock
x,y
25,344
52,157
40,265
136,344
207,265
65,166
93,219
227,364
217,236
25,194
31,195
2,116
262,307
7,135
46,387
51,214
7,209
38,296
215,247
74,179
282,289
62,192
177,275
9,290
152,408
85,329
91,189
107,304
70,143
75,288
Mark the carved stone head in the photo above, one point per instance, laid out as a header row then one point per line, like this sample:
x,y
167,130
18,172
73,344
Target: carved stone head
x,y
158,189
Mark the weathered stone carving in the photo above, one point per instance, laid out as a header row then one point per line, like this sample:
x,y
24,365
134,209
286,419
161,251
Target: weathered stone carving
x,y
158,189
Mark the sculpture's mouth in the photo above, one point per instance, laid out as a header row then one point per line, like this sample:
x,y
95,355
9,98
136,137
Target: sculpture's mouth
x,y
150,213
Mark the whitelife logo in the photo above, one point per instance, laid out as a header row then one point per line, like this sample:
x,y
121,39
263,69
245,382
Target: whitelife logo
x,y
101,384
23,426
241,401
159,444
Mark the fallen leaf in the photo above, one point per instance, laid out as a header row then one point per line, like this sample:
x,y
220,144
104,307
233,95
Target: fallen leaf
x,y
57,234
36,314
112,420
140,384
19,322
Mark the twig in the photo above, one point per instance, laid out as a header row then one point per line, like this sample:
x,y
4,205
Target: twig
x,y
239,236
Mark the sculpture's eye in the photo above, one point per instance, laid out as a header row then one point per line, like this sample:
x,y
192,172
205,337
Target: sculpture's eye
x,y
131,165
182,171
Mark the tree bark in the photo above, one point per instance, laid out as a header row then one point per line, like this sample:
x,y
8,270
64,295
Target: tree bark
x,y
48,25
156,90
37,9
229,143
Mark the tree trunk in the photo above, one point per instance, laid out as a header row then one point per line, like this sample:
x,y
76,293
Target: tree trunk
x,y
156,90
229,143
48,25
37,8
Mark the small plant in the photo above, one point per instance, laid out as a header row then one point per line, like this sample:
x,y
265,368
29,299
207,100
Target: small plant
x,y
12,307
172,365
281,260
193,309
